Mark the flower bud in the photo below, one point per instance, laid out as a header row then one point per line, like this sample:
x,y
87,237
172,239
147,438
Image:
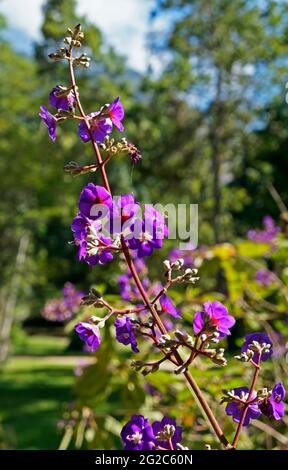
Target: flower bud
x,y
166,264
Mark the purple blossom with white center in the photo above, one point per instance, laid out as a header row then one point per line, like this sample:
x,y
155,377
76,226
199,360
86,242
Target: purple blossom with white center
x,y
81,228
167,306
93,196
137,434
148,234
116,113
61,102
50,122
268,234
264,277
261,338
125,333
100,127
90,334
63,309
273,407
236,408
214,317
158,427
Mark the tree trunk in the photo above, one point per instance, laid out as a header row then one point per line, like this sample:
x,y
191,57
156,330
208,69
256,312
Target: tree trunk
x,y
10,301
215,140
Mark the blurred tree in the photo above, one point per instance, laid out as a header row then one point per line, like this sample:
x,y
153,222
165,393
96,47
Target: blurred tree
x,y
38,198
223,60
266,165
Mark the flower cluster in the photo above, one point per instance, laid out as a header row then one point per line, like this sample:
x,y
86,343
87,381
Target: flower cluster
x,y
139,434
59,310
268,234
105,226
100,123
245,404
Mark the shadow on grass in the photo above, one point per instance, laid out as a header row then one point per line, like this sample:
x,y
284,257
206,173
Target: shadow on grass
x,y
31,402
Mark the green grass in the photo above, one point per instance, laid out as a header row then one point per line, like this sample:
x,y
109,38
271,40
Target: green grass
x,y
40,345
33,390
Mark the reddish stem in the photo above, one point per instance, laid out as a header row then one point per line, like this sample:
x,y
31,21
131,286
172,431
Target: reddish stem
x,y
246,405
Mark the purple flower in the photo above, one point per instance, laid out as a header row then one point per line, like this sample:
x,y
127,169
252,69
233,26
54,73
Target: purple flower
x,y
100,128
63,309
215,317
137,434
236,408
159,427
123,210
168,307
124,332
82,227
50,122
61,102
148,234
273,407
89,334
176,253
261,338
268,234
264,277
127,287
116,113
90,197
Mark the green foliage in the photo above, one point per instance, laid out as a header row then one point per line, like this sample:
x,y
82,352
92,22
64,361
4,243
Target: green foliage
x,y
212,132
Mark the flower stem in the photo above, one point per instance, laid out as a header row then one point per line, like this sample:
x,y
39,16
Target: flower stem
x,y
246,405
198,395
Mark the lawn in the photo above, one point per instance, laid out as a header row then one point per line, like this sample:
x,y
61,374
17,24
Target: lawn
x,y
33,388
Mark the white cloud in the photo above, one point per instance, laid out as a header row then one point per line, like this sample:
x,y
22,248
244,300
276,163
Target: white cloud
x,y
25,15
123,22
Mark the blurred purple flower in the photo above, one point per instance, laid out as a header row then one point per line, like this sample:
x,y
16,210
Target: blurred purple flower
x,y
264,277
63,309
176,253
268,234
78,371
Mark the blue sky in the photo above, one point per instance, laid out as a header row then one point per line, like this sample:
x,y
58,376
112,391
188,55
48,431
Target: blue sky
x,y
124,23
